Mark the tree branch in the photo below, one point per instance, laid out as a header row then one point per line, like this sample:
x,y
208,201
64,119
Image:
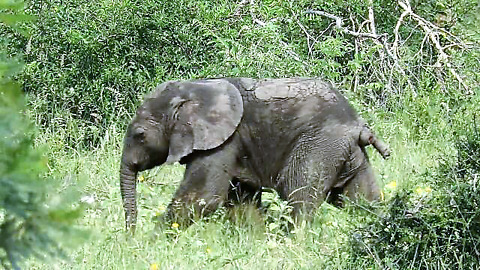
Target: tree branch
x,y
432,33
378,39
339,25
293,54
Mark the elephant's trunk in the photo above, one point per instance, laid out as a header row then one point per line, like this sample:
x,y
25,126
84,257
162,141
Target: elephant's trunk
x,y
128,184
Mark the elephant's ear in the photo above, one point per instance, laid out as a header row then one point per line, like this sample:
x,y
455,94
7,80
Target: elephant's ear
x,y
206,113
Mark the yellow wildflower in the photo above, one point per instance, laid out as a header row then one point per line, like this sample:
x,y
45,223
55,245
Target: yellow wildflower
x,y
208,250
141,178
175,225
419,190
153,266
391,185
428,189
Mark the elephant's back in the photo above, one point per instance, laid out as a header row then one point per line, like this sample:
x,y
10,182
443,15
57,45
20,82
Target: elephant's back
x,y
295,101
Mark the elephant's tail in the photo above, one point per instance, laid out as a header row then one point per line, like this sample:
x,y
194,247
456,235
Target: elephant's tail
x,y
367,137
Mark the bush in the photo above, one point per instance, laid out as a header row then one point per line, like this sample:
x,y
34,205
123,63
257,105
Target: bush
x,y
32,216
92,61
424,229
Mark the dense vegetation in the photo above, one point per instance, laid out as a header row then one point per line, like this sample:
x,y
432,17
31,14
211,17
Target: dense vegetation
x,y
411,69
32,215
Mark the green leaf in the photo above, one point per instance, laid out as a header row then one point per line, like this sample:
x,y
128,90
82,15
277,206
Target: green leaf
x,y
13,19
11,4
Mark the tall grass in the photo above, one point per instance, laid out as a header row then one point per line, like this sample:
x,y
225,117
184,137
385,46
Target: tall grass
x,y
238,239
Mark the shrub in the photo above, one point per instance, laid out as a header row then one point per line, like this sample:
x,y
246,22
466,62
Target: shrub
x,y
422,229
32,216
92,61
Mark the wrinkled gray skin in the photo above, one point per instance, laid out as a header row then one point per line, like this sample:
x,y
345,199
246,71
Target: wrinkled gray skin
x,y
236,136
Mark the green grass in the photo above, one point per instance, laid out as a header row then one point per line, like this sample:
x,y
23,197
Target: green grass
x,y
239,239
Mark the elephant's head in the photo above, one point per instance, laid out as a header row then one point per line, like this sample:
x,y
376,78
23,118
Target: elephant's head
x,y
178,118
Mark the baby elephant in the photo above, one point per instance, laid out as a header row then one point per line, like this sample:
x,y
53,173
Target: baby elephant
x,y
236,136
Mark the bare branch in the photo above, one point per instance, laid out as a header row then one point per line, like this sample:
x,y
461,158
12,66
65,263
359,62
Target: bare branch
x,y
432,34
339,25
378,39
309,37
397,35
432,31
371,17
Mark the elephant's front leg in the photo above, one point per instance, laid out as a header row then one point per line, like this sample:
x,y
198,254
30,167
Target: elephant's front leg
x,y
204,188
245,189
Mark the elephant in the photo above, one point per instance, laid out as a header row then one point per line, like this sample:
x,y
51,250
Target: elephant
x,y
237,136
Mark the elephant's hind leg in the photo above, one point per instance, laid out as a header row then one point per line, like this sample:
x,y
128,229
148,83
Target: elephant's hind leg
x,y
309,174
363,183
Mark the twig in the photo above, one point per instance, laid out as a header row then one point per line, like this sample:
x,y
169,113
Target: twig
x,y
432,31
309,37
378,39
397,35
371,17
339,25
251,3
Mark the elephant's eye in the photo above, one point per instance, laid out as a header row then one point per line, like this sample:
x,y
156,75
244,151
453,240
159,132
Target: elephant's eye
x,y
139,134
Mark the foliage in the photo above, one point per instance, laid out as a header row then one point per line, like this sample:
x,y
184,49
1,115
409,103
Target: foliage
x,y
468,156
31,215
426,227
90,62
